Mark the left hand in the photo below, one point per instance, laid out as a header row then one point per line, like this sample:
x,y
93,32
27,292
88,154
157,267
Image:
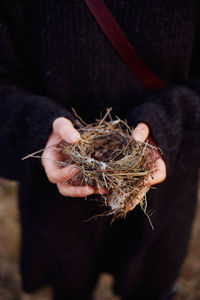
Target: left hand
x,y
141,133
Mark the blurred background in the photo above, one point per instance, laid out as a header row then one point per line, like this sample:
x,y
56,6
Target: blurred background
x,y
188,281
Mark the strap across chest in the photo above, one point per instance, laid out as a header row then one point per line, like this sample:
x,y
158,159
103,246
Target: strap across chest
x,y
121,44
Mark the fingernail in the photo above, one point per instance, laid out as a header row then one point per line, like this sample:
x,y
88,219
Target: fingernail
x,y
137,137
74,137
142,126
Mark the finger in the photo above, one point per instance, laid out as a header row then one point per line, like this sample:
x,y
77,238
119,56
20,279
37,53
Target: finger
x,y
141,132
65,129
154,153
100,190
51,152
159,175
54,172
74,191
139,197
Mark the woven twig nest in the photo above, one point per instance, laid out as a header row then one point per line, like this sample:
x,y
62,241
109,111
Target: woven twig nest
x,y
108,156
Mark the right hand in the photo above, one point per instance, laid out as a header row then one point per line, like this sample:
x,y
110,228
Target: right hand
x,y
63,130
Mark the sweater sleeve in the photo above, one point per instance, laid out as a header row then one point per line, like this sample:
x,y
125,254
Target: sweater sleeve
x,y
25,117
173,116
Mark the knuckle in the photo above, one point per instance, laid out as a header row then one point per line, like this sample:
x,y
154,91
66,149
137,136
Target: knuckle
x,y
164,173
62,192
164,176
43,159
61,189
52,179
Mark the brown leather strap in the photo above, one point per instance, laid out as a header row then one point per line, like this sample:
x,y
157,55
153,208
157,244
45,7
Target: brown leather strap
x,y
119,41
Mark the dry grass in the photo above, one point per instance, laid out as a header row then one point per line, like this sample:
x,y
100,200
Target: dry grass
x,y
189,279
108,156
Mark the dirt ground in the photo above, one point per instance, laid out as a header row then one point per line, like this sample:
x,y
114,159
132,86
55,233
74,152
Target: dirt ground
x,y
189,280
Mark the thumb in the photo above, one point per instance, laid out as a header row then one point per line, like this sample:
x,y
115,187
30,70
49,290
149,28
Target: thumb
x,y
66,131
141,132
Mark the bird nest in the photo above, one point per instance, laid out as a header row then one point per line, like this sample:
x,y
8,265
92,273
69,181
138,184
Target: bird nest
x,y
108,156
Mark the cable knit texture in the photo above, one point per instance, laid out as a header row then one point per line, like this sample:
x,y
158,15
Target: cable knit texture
x,y
54,56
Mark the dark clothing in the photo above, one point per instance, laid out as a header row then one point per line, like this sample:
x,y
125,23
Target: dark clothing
x,y
53,56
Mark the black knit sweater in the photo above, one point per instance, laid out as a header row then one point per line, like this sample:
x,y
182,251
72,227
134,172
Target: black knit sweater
x,y
54,56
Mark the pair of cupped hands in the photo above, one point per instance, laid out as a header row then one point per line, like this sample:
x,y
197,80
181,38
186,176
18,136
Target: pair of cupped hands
x,y
63,130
